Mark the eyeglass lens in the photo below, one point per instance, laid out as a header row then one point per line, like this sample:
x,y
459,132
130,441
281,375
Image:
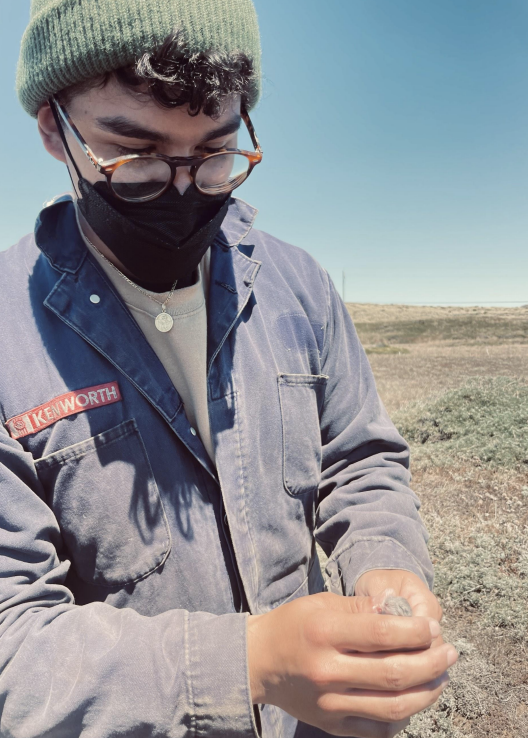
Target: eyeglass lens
x,y
144,177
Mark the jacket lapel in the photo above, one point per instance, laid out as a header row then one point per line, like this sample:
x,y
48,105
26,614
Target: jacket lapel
x,y
231,280
107,325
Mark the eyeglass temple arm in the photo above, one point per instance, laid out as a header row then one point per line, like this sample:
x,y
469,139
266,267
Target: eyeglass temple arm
x,y
251,129
73,130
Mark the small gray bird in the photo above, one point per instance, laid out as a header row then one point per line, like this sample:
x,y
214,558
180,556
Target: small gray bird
x,y
396,606
386,603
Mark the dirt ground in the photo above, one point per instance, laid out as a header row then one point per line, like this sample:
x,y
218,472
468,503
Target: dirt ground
x,y
426,369
477,515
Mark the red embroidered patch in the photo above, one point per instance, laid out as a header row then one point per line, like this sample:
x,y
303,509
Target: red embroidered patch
x,y
70,403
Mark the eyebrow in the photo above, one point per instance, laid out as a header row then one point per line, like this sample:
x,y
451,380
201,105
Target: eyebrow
x,y
231,126
129,129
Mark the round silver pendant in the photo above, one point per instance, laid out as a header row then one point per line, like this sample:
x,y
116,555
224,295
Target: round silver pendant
x,y
164,322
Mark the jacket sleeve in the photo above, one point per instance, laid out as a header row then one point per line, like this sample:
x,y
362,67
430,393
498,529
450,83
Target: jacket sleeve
x,y
68,670
367,516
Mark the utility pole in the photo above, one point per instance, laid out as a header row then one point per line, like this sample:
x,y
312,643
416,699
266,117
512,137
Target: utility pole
x,y
344,286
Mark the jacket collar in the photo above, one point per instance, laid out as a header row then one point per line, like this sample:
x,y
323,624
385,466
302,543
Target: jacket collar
x,y
237,223
58,237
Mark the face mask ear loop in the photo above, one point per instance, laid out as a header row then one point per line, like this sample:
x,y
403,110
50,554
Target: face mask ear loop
x,y
65,144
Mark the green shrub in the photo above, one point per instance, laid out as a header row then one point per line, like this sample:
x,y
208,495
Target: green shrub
x,y
485,574
484,421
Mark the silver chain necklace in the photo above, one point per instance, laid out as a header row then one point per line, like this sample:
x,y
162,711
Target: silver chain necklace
x,y
163,320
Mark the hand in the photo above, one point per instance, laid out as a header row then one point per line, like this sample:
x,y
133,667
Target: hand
x,y
332,663
405,584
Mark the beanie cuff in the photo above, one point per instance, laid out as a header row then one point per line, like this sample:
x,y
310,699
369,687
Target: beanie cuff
x,y
72,41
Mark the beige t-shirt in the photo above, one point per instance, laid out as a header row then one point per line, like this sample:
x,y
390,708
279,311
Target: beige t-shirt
x,y
183,349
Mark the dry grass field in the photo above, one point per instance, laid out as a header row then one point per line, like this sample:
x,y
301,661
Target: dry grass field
x,y
455,381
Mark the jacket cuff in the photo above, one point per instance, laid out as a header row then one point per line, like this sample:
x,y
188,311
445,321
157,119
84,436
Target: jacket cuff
x,y
344,570
219,689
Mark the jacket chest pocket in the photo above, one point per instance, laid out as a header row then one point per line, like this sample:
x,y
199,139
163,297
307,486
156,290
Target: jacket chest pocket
x,y
107,503
301,397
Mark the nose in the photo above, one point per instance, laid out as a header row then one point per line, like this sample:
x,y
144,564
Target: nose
x,y
183,179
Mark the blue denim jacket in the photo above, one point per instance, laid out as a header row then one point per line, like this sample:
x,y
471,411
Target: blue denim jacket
x,y
125,555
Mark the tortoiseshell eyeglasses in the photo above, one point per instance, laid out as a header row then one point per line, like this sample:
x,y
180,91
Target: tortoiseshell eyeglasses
x,y
144,177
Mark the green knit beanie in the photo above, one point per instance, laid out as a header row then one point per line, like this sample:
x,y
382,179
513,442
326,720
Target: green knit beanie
x,y
70,41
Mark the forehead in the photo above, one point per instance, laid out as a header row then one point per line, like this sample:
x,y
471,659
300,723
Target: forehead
x,y
113,100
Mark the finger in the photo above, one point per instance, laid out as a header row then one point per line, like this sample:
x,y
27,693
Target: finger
x,y
349,605
367,633
437,642
425,604
384,706
392,672
361,728
360,605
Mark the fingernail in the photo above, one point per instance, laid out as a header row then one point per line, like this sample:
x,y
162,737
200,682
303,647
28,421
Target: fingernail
x,y
435,628
452,656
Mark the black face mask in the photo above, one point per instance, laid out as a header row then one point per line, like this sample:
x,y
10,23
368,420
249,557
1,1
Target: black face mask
x,y
159,241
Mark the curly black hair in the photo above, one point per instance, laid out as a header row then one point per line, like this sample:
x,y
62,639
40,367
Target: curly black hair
x,y
173,76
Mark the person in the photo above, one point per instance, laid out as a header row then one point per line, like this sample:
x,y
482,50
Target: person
x,y
186,410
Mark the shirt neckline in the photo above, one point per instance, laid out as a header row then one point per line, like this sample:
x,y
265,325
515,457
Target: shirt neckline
x,y
185,300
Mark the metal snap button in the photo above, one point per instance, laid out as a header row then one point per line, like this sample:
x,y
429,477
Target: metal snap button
x,y
193,431
95,299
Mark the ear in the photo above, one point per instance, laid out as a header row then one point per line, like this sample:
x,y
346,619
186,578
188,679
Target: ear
x,y
49,134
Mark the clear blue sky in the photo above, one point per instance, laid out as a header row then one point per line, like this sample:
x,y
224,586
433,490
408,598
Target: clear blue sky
x,y
395,137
